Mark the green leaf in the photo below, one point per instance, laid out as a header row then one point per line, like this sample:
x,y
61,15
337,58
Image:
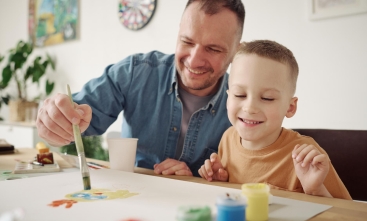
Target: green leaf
x,y
28,73
51,61
38,70
45,64
19,45
36,75
7,74
29,48
6,99
18,59
1,58
2,86
49,87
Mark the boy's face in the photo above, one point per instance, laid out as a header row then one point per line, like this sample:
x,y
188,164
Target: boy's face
x,y
259,97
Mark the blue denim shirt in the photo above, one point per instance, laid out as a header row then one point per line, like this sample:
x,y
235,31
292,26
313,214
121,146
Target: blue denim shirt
x,y
144,87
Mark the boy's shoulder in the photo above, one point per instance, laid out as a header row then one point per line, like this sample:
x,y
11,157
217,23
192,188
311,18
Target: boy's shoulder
x,y
293,137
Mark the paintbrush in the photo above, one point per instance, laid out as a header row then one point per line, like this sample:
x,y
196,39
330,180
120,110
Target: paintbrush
x,y
80,149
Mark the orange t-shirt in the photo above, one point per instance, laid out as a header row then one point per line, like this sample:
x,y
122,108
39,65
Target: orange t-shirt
x,y
273,164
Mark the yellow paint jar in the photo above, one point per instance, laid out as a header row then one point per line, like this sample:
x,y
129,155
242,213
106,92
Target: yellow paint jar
x,y
257,195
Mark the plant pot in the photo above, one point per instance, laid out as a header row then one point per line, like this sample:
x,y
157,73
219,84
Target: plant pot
x,y
20,110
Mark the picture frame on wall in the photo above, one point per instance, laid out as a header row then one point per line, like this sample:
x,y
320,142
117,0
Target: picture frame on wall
x,y
323,9
53,21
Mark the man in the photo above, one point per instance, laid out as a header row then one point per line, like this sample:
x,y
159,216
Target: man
x,y
174,104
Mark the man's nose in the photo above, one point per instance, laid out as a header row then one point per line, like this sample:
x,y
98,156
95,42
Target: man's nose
x,y
197,57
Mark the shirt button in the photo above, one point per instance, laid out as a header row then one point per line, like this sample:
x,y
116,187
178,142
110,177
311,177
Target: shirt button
x,y
213,111
174,129
178,99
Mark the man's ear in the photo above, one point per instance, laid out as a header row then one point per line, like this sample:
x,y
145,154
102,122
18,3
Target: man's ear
x,y
292,107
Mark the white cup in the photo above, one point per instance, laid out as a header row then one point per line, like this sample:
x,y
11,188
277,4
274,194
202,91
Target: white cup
x,y
122,153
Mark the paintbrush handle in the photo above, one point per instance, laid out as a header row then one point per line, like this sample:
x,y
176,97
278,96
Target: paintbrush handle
x,y
80,149
76,129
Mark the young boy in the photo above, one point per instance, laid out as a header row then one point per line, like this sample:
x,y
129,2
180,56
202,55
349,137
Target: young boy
x,y
262,84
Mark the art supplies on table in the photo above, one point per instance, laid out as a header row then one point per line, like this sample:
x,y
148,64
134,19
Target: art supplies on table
x,y
42,163
231,207
31,167
5,147
119,195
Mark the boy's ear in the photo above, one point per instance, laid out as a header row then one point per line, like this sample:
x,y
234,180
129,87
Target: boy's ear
x,y
292,107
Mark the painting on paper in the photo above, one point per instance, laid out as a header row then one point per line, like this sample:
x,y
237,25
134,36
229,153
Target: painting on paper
x,y
52,21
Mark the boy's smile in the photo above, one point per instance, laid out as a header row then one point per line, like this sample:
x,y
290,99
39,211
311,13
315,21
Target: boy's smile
x,y
259,97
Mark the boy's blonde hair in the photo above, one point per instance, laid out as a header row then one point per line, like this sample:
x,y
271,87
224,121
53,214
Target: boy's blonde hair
x,y
272,50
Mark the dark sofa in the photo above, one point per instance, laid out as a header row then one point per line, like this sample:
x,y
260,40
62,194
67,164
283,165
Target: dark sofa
x,y
347,150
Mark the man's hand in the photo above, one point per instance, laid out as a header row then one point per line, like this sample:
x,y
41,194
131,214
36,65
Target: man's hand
x,y
213,169
311,168
172,167
56,116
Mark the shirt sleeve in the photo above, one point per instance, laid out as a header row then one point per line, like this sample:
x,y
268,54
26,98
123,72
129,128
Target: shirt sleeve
x,y
106,95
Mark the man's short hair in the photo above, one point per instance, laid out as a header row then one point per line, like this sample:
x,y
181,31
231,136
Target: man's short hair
x,y
212,7
274,51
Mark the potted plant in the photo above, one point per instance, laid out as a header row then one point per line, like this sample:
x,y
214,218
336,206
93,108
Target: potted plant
x,y
19,70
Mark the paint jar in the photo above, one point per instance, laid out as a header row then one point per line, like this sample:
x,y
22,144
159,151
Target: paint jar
x,y
230,207
257,195
194,213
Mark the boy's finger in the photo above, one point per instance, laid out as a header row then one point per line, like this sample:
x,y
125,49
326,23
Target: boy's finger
x,y
222,175
208,167
204,173
213,157
309,157
297,150
321,158
294,152
302,154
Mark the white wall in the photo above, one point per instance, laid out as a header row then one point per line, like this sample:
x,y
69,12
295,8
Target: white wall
x,y
331,53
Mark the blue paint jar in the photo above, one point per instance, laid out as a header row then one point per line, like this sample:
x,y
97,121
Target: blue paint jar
x,y
231,207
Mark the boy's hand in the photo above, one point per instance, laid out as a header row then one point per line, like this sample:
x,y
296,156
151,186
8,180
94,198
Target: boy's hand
x,y
311,168
213,169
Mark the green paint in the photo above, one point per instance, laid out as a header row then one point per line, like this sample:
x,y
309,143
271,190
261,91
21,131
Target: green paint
x,y
194,213
86,182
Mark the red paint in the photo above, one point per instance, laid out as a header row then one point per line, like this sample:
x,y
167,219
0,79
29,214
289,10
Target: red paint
x,y
57,203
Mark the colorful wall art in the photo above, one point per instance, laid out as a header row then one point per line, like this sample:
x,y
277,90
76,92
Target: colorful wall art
x,y
52,21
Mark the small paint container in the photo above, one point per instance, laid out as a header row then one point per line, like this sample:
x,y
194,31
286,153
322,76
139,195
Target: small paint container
x,y
257,195
230,207
194,213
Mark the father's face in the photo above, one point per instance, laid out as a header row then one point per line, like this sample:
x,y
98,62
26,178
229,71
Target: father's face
x,y
205,47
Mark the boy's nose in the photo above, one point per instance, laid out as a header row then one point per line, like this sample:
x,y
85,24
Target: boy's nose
x,y
250,106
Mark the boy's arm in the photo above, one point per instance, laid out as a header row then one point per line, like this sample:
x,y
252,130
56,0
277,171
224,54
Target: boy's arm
x,y
311,168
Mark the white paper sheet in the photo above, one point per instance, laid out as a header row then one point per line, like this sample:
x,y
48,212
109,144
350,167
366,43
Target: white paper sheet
x,y
158,199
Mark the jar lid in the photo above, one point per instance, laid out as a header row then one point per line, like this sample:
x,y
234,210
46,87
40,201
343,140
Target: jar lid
x,y
231,200
255,188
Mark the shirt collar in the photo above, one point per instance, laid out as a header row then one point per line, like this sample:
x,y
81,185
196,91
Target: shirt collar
x,y
215,98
